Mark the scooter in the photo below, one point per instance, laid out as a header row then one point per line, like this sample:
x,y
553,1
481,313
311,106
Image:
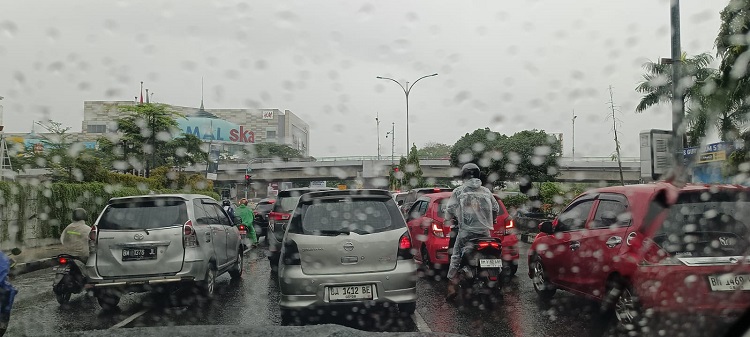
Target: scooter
x,y
69,279
7,291
480,271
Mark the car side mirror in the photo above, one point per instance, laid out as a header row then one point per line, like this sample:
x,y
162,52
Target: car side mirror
x,y
546,227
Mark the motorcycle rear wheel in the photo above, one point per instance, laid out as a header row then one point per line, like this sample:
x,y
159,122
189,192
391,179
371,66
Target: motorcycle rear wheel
x,y
62,298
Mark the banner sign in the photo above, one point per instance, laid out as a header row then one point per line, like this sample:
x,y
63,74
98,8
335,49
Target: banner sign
x,y
216,129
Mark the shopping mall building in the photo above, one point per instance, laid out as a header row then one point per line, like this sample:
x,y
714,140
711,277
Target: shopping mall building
x,y
229,129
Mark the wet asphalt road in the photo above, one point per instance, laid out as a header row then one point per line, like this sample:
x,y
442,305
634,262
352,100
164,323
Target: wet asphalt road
x,y
252,302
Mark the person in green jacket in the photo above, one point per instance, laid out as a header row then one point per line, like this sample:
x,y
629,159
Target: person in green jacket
x,y
246,214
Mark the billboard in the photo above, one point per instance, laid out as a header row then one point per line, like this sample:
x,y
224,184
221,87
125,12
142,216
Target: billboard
x,y
216,129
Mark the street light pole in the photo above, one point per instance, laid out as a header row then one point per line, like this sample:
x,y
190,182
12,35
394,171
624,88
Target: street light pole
x,y
392,133
377,121
407,90
678,106
574,134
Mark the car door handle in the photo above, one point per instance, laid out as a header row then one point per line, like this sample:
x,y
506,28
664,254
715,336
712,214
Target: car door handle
x,y
575,245
613,241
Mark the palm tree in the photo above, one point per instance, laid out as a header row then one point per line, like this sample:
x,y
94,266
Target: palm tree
x,y
701,104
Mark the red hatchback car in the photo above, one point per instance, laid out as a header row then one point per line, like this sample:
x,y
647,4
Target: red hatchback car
x,y
649,248
430,235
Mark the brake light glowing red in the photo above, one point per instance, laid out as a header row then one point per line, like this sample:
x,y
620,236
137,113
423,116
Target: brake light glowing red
x,y
510,223
436,190
437,230
94,233
485,244
404,242
241,227
62,260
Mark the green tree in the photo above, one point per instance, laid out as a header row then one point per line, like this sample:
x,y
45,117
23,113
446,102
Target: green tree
x,y
150,127
412,171
532,155
703,104
482,147
60,150
273,150
434,150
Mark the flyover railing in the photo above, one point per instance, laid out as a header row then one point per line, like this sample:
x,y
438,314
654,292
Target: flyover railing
x,y
396,159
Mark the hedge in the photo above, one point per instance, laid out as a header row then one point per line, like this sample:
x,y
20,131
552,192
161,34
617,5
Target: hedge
x,y
55,203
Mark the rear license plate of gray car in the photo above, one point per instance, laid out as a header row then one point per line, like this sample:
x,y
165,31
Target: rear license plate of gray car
x,y
138,254
348,293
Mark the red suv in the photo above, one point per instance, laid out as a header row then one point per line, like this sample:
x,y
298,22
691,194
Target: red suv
x,y
651,246
430,235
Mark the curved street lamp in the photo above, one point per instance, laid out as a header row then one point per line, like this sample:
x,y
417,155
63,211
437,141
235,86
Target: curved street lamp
x,y
407,90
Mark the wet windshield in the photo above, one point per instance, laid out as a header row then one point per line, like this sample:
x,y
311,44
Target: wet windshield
x,y
614,136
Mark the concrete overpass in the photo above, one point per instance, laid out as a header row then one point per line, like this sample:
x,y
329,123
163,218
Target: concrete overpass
x,y
587,169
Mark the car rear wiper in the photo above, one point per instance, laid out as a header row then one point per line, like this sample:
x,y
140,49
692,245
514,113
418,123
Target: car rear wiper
x,y
336,232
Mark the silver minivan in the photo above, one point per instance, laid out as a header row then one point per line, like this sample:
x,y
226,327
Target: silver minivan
x,y
346,248
152,242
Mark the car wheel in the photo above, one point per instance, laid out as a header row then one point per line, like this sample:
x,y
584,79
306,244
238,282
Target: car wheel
x,y
542,286
236,271
407,308
627,308
208,286
108,301
62,298
289,316
426,261
274,261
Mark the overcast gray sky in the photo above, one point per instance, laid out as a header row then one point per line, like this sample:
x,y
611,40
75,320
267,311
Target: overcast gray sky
x,y
509,65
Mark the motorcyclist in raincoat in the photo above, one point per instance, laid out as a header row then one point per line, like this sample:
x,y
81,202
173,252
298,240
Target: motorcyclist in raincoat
x,y
227,205
7,292
75,237
474,210
246,214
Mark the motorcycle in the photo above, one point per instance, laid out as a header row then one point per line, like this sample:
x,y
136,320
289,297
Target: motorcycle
x,y
69,278
7,291
480,272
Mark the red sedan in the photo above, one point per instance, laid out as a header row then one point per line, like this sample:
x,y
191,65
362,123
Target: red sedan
x,y
649,248
430,234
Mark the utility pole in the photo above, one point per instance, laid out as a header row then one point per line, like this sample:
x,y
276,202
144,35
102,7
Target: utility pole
x,y
377,121
614,128
574,134
392,133
678,101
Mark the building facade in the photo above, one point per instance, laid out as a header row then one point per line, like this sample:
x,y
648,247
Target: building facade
x,y
232,127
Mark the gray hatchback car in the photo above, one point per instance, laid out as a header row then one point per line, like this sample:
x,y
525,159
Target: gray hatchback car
x,y
346,247
151,242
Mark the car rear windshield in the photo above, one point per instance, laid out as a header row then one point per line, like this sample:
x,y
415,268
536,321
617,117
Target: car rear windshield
x,y
344,216
144,214
705,224
264,207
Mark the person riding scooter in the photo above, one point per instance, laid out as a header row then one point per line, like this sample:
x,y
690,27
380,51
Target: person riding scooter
x,y
75,237
474,211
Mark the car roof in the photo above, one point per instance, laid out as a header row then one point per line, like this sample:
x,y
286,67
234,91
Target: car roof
x,y
185,197
353,193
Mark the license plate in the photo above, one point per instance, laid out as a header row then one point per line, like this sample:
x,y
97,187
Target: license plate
x,y
138,254
729,282
491,263
61,270
348,293
243,232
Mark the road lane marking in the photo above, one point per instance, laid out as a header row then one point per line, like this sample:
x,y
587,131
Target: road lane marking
x,y
421,324
129,319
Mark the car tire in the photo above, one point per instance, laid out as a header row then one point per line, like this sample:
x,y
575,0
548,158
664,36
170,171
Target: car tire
x,y
543,288
273,259
626,307
407,308
426,261
208,285
108,301
239,267
289,316
62,297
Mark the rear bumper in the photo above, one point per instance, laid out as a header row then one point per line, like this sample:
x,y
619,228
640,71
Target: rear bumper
x,y
299,291
191,272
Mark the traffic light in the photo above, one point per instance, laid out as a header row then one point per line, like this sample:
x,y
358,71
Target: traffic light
x,y
248,179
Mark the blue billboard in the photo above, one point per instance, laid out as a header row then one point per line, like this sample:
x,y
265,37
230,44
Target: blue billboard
x,y
216,129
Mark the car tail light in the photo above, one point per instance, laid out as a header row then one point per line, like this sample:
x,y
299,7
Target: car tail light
x,y
241,227
189,237
291,254
437,230
278,216
405,248
509,223
94,234
486,244
62,260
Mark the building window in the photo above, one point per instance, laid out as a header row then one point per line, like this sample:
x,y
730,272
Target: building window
x,y
271,134
96,128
